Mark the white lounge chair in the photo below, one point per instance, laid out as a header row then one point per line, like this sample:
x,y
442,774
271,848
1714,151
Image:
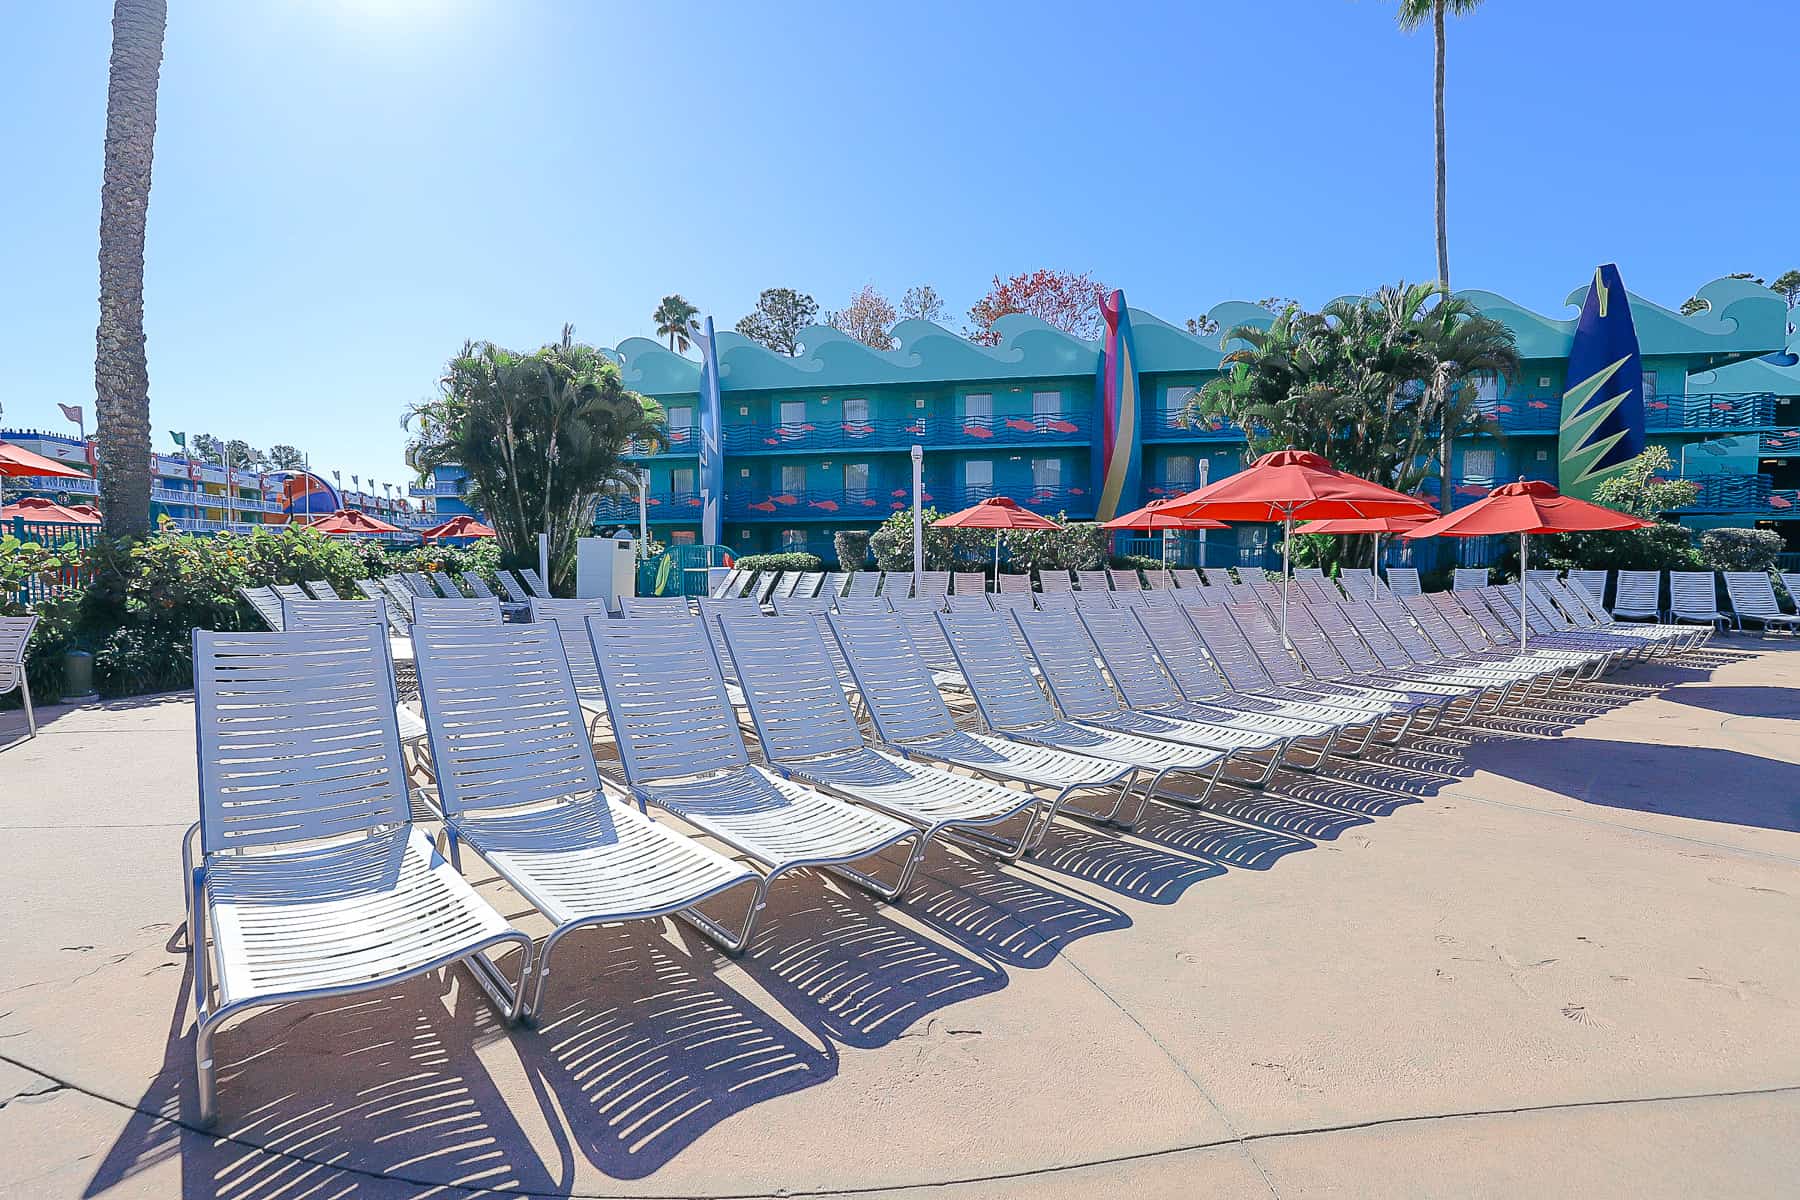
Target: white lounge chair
x,y
1469,578
855,603
516,780
570,618
1013,706
319,589
459,611
833,585
266,604
1093,581
968,583
910,718
1694,596
1057,580
1014,584
809,733
399,619
448,586
1753,597
15,635
331,614
681,750
1593,581
306,877
511,590
731,585
1066,658
863,583
655,606
1638,595
932,583
535,582
1125,579
1404,581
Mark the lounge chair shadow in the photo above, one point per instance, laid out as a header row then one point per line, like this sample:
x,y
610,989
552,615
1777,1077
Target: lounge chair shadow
x,y
1741,701
1003,914
1120,865
1271,810
319,1097
1221,842
645,1049
1342,795
852,974
1702,783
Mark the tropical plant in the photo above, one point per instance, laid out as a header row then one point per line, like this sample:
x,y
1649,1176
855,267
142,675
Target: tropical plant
x,y
540,436
1062,300
1788,284
868,318
780,315
1455,349
121,370
1413,14
1642,488
671,317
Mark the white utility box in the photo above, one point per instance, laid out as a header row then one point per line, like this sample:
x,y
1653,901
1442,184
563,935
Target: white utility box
x,y
605,567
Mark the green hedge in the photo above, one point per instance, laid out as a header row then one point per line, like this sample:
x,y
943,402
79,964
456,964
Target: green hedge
x,y
1741,549
788,561
143,600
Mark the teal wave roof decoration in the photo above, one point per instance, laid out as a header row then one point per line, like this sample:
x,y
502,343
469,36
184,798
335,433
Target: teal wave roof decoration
x,y
1778,372
1744,321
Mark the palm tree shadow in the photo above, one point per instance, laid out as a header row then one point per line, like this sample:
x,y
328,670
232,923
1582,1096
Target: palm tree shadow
x,y
851,974
335,1096
646,1050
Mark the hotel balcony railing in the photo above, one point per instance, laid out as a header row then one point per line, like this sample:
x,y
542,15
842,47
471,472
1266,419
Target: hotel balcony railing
x,y
1732,493
683,442
177,496
1782,442
1166,426
662,507
448,487
84,486
1164,489
837,504
1662,412
1020,430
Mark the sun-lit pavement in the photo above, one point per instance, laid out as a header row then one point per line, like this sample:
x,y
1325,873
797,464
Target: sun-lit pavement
x,y
1526,966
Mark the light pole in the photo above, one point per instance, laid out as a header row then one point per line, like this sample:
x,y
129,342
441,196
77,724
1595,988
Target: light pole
x,y
918,464
643,512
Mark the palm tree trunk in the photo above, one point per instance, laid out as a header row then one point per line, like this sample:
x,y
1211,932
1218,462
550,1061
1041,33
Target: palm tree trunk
x,y
1443,236
121,370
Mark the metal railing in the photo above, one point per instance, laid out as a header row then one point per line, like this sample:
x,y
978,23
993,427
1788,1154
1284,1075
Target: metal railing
x,y
683,442
449,487
1020,429
661,506
187,499
1781,441
1166,425
1662,412
53,535
82,486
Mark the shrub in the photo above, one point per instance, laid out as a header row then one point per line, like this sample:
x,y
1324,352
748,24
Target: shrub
x,y
1077,545
1661,547
852,547
787,561
1143,562
1740,549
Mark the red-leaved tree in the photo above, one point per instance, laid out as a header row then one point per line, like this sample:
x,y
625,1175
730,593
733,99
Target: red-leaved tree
x,y
1063,300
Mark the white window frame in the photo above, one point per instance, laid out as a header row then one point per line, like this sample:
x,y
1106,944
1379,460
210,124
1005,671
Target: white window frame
x,y
971,485
782,476
857,420
867,477
1056,470
982,401
1046,404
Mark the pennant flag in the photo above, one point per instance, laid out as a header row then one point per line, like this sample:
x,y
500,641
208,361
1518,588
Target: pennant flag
x,y
180,439
72,412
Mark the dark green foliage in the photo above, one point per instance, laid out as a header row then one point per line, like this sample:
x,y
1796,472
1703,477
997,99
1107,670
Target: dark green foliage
x,y
1740,549
786,561
852,546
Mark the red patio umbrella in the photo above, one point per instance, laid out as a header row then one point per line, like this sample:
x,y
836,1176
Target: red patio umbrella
x,y
998,513
460,526
17,460
351,522
36,508
1526,507
1152,518
1374,525
1291,485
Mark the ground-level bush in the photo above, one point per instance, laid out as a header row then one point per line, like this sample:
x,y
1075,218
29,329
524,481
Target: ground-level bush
x,y
142,600
787,561
852,547
1741,549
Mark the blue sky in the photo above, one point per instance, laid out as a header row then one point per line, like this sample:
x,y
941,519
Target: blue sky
x,y
345,190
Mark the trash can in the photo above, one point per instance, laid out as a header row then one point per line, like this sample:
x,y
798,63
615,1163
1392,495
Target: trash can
x,y
78,676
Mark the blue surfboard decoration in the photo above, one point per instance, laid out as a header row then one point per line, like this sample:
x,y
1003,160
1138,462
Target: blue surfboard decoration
x,y
1603,400
712,453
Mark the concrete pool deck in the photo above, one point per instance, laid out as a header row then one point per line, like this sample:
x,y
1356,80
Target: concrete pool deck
x,y
1547,960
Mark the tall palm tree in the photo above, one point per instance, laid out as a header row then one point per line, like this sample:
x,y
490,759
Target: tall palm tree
x,y
121,372
1412,15
1457,348
671,317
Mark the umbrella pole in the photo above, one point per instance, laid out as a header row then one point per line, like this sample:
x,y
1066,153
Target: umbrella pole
x,y
1165,550
1287,545
996,560
1523,539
